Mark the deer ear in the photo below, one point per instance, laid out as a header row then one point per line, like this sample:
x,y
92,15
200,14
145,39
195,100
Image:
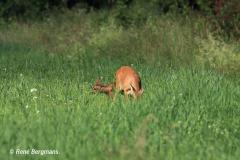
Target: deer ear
x,y
97,82
140,91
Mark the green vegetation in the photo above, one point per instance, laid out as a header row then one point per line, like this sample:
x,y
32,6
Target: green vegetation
x,y
129,12
190,108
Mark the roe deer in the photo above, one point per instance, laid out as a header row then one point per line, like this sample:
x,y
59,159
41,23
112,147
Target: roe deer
x,y
128,81
99,87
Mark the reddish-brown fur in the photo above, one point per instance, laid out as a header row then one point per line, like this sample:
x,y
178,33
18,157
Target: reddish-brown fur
x,y
99,87
126,80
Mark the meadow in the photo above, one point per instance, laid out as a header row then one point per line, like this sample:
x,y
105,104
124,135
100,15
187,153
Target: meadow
x,y
190,108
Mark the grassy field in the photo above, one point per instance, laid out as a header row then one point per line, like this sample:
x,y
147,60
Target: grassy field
x,y
186,112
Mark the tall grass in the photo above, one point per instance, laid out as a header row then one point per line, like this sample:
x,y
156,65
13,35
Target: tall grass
x,y
171,40
217,54
186,111
183,113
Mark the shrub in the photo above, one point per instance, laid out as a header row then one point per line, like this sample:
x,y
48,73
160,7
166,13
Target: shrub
x,y
159,41
219,55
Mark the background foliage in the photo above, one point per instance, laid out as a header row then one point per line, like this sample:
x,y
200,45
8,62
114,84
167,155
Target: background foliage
x,y
128,12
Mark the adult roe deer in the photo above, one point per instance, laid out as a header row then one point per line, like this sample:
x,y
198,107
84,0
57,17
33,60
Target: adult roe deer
x,y
128,81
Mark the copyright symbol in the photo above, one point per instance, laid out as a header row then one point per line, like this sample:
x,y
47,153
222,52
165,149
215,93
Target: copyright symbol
x,y
11,151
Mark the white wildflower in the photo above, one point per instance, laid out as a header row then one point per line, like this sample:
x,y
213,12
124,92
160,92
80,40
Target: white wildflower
x,y
33,90
26,106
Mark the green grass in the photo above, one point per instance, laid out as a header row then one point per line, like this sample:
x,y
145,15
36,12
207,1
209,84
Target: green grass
x,y
190,108
185,113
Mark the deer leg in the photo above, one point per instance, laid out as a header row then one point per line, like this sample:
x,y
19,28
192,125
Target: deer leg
x,y
126,93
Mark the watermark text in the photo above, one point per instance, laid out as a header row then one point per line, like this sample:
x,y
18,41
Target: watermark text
x,y
34,151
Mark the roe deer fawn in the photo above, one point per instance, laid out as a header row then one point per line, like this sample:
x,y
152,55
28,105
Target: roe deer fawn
x,y
126,80
107,89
